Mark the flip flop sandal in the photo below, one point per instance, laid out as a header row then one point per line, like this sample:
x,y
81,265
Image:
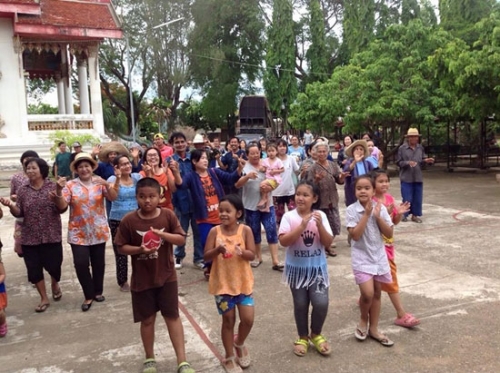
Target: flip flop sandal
x,y
57,295
185,367
256,263
149,366
243,361
278,267
331,253
416,219
319,342
300,342
235,369
42,307
360,334
407,321
384,341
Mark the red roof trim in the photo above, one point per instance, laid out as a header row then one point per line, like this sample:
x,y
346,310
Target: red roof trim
x,y
33,9
26,30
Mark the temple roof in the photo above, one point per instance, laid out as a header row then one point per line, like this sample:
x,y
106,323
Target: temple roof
x,y
68,19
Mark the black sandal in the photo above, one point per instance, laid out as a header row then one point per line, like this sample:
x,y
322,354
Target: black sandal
x,y
278,267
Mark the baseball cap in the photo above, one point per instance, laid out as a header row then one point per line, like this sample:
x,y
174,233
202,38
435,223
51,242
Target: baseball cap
x,y
76,144
159,136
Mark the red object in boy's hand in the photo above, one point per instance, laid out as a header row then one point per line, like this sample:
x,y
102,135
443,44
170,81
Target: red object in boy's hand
x,y
227,255
151,240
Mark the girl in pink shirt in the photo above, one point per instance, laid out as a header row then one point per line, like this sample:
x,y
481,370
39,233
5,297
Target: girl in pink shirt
x,y
381,181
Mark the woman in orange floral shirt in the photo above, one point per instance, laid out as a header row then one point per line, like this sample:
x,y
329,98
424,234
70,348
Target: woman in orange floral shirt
x,y
88,228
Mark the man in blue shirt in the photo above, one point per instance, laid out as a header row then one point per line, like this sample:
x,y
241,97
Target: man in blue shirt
x,y
183,203
229,161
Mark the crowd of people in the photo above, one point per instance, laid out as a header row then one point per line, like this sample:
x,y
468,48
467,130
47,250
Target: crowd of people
x,y
147,198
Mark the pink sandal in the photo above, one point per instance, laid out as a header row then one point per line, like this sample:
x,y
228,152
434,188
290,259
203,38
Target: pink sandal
x,y
407,321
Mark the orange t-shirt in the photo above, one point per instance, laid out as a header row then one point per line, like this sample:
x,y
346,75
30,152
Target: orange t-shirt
x,y
165,194
231,275
212,201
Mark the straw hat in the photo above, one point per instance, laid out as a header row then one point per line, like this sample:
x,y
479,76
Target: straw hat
x,y
198,139
412,132
356,143
113,146
82,157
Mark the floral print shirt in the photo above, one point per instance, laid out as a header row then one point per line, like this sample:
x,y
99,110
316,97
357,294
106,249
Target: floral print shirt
x,y
87,224
42,219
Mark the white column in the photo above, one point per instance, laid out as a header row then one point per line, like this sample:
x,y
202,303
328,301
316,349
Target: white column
x,y
60,94
83,87
95,89
13,109
68,89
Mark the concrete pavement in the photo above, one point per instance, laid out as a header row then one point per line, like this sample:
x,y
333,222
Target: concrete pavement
x,y
448,271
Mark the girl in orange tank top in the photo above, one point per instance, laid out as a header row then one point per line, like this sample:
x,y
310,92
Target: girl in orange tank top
x,y
230,246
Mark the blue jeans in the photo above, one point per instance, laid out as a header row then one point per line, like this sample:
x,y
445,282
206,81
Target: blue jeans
x,y
413,193
180,251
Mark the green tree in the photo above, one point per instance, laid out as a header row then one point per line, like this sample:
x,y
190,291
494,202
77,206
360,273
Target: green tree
x,y
410,9
158,56
317,54
280,82
358,25
69,138
391,84
42,108
428,13
225,53
460,16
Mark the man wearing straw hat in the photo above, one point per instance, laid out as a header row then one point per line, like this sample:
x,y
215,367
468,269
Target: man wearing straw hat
x,y
106,169
411,157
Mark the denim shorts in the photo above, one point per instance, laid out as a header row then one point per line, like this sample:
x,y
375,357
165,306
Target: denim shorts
x,y
226,302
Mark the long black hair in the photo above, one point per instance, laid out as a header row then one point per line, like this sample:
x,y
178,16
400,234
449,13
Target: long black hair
x,y
314,189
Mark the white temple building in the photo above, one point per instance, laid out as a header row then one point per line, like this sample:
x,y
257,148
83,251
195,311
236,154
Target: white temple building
x,y
51,39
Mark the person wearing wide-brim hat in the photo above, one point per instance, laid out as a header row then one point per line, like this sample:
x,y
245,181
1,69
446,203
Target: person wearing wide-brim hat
x,y
80,157
411,157
88,228
105,168
356,165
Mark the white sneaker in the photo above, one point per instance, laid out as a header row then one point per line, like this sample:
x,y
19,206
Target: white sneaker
x,y
199,265
178,263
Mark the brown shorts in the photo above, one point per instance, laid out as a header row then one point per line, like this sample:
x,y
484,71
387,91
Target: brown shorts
x,y
148,302
393,287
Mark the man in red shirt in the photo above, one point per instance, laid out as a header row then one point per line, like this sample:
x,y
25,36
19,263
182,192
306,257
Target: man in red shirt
x,y
165,150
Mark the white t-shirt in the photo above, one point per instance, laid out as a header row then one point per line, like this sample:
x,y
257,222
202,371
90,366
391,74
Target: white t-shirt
x,y
308,138
251,190
287,187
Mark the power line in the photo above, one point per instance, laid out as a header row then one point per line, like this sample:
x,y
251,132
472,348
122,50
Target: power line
x,y
255,65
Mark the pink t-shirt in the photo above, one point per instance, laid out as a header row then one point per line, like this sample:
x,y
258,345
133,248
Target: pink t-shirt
x,y
272,165
389,203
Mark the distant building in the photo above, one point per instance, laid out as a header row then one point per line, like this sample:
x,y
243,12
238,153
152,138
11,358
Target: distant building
x,y
47,39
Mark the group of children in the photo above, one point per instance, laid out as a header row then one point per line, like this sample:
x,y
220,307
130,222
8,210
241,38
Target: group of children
x,y
149,233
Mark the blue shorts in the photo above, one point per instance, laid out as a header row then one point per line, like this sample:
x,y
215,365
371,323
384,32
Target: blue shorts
x,y
268,219
226,302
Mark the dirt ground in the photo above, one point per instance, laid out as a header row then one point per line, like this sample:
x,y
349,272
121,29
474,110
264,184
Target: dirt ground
x,y
448,272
